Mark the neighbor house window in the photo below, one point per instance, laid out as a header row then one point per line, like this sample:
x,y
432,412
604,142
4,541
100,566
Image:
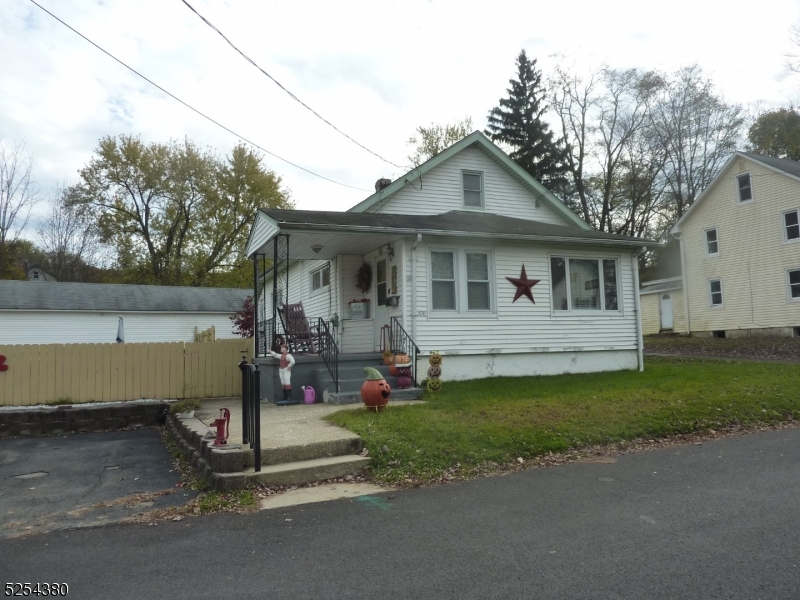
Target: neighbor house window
x,y
461,281
473,189
712,244
745,189
794,283
715,292
320,278
791,225
584,283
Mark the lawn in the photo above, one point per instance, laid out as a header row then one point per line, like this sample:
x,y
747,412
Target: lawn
x,y
470,425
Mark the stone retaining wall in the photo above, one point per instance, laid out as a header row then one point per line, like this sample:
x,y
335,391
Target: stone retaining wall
x,y
53,420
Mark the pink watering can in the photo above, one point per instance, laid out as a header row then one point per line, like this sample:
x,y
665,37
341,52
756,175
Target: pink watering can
x,y
309,394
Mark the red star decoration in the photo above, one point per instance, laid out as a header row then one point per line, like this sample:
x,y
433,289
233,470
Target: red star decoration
x,y
524,285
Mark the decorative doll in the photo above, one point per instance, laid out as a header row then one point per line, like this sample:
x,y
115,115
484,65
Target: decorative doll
x,y
285,373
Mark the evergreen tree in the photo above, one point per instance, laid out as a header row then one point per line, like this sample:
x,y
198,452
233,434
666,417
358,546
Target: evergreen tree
x,y
517,123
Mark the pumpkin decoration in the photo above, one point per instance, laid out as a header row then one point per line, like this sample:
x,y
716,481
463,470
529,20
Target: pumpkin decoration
x,y
434,371
434,385
393,370
435,359
388,359
375,391
402,359
403,376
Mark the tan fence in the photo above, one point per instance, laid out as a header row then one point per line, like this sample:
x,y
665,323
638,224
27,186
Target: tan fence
x,y
73,373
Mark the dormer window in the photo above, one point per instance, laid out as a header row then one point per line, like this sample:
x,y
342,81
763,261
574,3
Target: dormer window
x,y
745,189
472,184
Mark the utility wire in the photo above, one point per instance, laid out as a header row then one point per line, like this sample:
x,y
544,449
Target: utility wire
x,y
174,97
291,95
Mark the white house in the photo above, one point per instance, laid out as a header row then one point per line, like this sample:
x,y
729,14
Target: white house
x,y
470,257
48,312
740,250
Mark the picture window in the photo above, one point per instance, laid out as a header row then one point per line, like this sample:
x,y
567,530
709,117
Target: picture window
x,y
584,284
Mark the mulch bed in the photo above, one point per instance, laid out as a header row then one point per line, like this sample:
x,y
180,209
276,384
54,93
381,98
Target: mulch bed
x,y
772,348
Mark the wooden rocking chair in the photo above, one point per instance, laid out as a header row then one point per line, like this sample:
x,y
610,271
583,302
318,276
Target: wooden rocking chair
x,y
301,336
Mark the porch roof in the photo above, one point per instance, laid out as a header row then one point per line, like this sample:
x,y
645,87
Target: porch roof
x,y
333,233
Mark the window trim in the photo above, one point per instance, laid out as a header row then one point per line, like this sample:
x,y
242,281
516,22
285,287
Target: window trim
x,y
710,293
739,191
706,242
583,312
322,288
480,174
786,239
460,272
789,285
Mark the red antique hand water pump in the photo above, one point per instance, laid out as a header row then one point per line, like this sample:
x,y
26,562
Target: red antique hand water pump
x,y
221,423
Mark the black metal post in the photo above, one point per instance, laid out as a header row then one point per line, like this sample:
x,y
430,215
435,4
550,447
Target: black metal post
x,y
245,400
255,305
256,404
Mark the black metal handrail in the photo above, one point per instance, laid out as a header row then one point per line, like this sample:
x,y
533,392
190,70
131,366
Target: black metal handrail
x,y
328,350
251,410
401,343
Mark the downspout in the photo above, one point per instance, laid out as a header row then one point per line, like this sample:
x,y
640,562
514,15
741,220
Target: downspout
x,y
414,288
684,275
637,309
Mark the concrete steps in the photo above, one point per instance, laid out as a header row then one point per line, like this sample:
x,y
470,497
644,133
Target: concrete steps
x,y
301,472
351,378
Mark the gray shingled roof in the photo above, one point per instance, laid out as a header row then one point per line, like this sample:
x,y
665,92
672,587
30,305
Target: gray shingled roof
x,y
460,221
54,295
792,167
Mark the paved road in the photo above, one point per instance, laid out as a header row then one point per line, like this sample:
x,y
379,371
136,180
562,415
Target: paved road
x,y
83,480
713,521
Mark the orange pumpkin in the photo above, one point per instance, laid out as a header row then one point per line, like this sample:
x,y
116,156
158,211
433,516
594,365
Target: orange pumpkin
x,y
393,370
401,359
375,391
388,359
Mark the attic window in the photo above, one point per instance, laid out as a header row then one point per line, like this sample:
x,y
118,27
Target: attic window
x,y
472,184
745,189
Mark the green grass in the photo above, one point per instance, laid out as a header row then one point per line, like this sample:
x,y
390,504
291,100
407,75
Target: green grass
x,y
471,424
212,502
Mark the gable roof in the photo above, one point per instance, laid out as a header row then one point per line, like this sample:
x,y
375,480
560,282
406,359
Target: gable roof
x,y
480,141
110,297
452,223
790,168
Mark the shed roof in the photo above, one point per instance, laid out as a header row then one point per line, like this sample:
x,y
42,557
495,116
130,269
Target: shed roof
x,y
109,297
661,285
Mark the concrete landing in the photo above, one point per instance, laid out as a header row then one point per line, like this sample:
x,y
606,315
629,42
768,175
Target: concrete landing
x,y
322,493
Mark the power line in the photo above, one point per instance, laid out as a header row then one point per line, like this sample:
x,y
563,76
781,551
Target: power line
x,y
291,95
174,97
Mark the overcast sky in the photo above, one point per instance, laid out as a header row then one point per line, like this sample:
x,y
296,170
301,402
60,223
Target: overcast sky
x,y
375,69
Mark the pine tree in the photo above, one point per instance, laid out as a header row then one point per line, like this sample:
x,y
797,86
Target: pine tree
x,y
518,124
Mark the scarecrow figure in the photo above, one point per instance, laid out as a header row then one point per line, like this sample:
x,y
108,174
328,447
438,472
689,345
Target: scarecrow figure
x,y
285,372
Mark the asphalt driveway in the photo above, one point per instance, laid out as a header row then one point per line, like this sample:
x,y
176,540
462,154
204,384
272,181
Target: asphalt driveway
x,y
83,480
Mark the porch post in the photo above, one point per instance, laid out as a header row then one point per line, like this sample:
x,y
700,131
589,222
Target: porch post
x,y
255,305
274,288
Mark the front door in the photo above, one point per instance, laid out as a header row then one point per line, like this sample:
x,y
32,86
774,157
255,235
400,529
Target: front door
x,y
666,311
381,314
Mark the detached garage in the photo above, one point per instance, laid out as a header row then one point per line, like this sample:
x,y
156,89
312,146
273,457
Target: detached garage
x,y
663,306
66,313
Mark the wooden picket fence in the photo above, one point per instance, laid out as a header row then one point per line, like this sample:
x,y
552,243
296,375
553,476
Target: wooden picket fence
x,y
74,373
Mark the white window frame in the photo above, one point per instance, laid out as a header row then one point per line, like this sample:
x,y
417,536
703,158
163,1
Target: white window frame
x,y
322,288
460,272
789,285
739,191
710,293
705,240
483,190
786,239
586,311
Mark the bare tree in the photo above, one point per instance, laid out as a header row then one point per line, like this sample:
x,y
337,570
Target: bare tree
x,y
430,141
792,62
70,238
17,197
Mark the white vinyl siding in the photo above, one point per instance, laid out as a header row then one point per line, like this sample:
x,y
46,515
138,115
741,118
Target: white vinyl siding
x,y
744,188
88,327
522,326
440,190
712,242
754,262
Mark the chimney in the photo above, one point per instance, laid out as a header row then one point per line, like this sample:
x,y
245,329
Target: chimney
x,y
382,183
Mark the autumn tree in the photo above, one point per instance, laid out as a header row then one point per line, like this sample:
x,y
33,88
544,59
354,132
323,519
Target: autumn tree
x,y
430,141
776,133
517,124
173,213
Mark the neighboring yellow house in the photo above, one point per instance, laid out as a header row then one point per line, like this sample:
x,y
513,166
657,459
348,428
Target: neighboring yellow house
x,y
662,306
740,250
